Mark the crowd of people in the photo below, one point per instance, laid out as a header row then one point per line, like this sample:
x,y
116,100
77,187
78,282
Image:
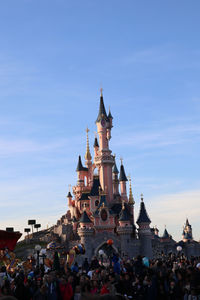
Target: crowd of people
x,y
167,278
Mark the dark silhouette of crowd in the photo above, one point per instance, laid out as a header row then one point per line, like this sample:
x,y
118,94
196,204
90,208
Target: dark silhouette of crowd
x,y
167,278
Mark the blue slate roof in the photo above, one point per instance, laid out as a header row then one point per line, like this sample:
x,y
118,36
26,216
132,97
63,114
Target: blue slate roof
x,y
95,187
84,218
143,216
124,215
102,111
84,196
69,195
80,166
102,202
165,234
110,115
122,175
96,144
114,169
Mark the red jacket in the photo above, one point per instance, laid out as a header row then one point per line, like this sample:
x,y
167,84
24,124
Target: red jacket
x,y
104,290
66,291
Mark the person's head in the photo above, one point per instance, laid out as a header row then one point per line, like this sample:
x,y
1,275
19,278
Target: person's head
x,y
49,278
111,278
126,277
63,280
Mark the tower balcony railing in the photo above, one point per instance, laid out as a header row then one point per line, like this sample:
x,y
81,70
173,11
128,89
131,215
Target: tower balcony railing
x,y
85,231
104,159
125,229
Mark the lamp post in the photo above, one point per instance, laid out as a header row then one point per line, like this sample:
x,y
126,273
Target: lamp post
x,y
37,226
37,249
32,223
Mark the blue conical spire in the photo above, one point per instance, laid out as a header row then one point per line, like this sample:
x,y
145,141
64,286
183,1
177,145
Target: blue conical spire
x,y
143,216
102,110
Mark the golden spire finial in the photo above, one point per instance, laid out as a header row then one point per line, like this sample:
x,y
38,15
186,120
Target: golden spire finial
x,y
131,199
87,154
101,92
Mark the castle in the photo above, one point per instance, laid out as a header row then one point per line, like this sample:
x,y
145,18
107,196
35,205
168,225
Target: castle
x,y
100,211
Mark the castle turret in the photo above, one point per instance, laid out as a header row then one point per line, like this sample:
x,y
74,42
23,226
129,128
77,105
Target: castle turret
x,y
69,197
124,230
86,232
81,172
122,180
104,161
115,173
187,231
165,235
144,231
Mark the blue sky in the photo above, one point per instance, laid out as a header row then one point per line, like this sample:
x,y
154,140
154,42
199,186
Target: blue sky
x,y
54,57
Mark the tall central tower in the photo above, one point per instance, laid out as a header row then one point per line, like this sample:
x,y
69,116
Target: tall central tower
x,y
104,160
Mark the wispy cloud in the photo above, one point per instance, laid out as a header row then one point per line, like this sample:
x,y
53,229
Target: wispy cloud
x,y
10,147
167,55
172,210
154,137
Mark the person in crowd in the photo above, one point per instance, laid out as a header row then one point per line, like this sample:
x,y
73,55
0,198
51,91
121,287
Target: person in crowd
x,y
166,278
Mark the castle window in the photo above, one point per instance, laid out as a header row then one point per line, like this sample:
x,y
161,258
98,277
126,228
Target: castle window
x,y
96,202
104,215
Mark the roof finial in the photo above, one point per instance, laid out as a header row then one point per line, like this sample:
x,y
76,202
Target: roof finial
x,y
121,160
142,199
101,92
131,199
87,154
69,187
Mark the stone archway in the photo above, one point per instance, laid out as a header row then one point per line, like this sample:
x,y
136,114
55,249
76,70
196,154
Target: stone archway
x,y
109,250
